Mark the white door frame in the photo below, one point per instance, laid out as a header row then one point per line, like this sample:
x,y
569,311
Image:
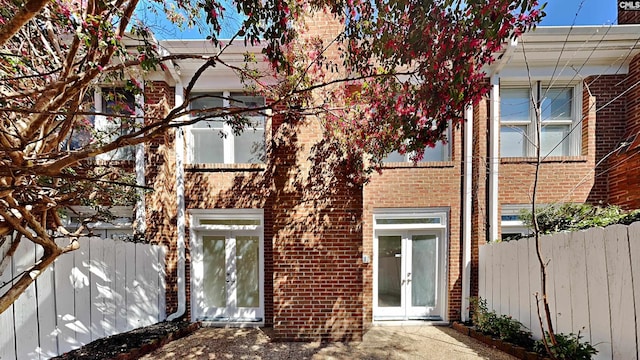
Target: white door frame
x,y
405,223
219,222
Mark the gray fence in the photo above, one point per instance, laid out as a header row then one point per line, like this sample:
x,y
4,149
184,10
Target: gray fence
x,y
593,285
104,288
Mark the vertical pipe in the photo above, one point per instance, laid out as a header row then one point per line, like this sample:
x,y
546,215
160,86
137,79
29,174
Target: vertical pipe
x,y
466,215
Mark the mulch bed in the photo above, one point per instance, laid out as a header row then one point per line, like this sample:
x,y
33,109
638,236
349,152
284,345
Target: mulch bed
x,y
133,344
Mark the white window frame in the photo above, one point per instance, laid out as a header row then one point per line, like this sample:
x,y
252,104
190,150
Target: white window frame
x,y
228,145
575,136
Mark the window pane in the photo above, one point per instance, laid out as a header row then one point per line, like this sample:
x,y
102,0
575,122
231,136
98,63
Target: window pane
x,y
395,157
247,270
206,101
513,141
424,263
551,136
122,104
240,100
557,104
249,144
389,271
208,146
515,105
436,153
214,277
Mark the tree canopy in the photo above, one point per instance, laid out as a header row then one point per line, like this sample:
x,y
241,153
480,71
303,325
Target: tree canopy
x,y
401,72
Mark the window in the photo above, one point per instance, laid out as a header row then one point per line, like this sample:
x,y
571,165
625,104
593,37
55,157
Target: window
x,y
440,152
214,142
512,226
560,112
122,105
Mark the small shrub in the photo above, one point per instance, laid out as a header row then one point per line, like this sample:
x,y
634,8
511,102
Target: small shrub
x,y
501,326
571,217
569,347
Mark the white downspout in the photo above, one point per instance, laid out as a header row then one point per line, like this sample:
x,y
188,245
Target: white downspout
x,y
179,148
494,153
466,225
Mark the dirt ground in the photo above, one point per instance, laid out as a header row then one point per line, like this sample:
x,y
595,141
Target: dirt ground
x,y
381,342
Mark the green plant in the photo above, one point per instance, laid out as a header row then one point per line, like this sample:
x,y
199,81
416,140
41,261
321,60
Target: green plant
x,y
569,347
501,326
571,217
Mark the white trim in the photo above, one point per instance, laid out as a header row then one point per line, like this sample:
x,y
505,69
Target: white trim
x,y
405,231
494,153
466,215
197,268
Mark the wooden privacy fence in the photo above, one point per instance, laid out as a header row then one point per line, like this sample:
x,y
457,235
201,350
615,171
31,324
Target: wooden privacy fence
x,y
593,285
104,288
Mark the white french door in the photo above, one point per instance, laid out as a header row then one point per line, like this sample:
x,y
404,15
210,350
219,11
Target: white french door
x,y
230,277
408,275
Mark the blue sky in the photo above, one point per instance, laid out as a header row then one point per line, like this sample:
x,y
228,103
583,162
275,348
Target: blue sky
x,y
559,13
592,12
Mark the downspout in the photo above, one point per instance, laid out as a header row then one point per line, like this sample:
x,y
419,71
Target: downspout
x,y
494,148
466,220
494,153
179,148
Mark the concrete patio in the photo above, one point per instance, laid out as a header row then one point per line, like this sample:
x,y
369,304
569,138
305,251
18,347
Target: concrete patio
x,y
381,342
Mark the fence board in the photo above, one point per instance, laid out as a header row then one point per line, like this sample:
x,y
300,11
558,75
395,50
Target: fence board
x,y
523,297
47,331
162,283
482,272
108,290
133,312
535,286
578,282
7,336
634,249
65,303
504,279
620,292
97,281
81,284
25,307
598,290
561,281
120,286
510,284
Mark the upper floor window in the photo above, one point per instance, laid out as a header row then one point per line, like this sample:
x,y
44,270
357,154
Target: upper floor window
x,y
213,141
119,108
111,113
440,152
560,112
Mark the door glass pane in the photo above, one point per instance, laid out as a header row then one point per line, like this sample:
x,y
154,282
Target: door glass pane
x,y
424,263
248,275
214,279
389,271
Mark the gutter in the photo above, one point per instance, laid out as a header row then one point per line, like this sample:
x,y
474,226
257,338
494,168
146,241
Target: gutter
x,y
466,220
179,148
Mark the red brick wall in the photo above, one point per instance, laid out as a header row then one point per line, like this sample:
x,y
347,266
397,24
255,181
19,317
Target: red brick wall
x,y
628,16
426,185
624,166
161,203
479,219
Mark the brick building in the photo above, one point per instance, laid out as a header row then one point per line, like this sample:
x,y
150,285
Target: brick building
x,y
262,230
